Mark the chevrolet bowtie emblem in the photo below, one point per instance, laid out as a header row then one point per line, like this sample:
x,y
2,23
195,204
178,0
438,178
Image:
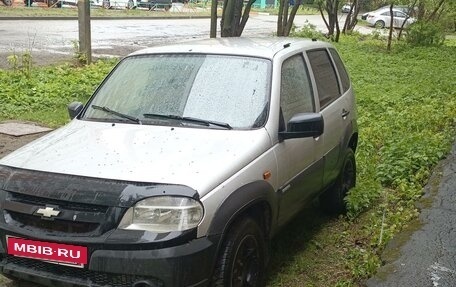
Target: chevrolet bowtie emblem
x,y
47,212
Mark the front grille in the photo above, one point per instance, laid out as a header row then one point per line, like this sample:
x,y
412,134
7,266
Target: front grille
x,y
72,274
74,219
35,200
33,222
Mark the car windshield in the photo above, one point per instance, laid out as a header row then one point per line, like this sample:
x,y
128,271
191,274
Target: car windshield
x,y
165,89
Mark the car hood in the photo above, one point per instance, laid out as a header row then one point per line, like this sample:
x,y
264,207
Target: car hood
x,y
199,158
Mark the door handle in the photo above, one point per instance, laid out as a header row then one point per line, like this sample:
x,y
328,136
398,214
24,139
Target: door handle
x,y
345,113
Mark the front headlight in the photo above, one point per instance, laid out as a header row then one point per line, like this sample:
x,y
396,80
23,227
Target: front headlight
x,y
163,214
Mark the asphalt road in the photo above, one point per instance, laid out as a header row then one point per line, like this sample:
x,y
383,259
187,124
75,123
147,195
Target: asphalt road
x,y
424,255
53,40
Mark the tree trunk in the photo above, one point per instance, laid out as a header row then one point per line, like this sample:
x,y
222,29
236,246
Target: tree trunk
x,y
390,36
245,17
352,17
213,31
432,16
234,18
406,18
285,20
291,17
421,10
323,16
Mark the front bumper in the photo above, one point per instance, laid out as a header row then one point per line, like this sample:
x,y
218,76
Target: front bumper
x,y
188,264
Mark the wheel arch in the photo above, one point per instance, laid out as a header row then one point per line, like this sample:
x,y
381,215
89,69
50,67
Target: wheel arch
x,y
350,139
353,141
256,199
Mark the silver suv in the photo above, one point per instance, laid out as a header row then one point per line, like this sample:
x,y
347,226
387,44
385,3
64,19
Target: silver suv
x,y
181,167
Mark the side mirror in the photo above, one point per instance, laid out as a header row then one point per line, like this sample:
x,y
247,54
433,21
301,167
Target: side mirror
x,y
74,109
304,125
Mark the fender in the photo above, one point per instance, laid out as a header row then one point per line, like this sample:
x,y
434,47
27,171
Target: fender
x,y
351,130
239,201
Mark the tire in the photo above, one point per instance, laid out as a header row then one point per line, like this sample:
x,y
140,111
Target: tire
x,y
332,201
130,4
8,2
379,24
241,262
106,4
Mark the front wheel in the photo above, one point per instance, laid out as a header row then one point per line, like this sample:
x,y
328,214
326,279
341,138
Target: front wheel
x,y
241,262
332,201
130,4
106,4
8,2
379,24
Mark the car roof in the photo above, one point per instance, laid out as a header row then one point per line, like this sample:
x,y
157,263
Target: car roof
x,y
382,10
265,47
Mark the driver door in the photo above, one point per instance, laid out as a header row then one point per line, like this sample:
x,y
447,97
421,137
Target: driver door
x,y
300,176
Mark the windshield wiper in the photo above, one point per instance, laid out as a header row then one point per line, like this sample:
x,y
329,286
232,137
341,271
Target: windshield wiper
x,y
109,111
190,119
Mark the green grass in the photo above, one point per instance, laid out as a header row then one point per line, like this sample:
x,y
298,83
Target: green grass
x,y
406,108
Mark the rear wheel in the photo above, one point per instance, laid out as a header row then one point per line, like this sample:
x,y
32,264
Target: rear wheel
x,y
379,24
106,4
332,201
130,4
241,262
8,2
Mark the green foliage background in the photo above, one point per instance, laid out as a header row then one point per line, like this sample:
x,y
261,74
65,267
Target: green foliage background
x,y
43,93
406,107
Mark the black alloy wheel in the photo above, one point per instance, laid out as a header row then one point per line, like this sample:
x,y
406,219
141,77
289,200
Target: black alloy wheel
x,y
242,256
246,267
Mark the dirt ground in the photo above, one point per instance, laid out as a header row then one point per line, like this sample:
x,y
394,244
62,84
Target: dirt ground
x,y
11,143
7,145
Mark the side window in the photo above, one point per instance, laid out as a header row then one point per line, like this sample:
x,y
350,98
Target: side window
x,y
325,76
341,69
296,94
399,14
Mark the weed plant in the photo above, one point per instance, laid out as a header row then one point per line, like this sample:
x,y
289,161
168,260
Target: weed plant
x,y
406,113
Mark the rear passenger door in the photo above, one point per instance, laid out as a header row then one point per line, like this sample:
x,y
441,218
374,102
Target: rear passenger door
x,y
334,110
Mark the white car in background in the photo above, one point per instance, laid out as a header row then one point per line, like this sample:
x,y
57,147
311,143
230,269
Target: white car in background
x,y
382,18
346,7
107,4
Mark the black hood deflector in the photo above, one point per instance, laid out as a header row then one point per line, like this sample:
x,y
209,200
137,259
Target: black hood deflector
x,y
88,190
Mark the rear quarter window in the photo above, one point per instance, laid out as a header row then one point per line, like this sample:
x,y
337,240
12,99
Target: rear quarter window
x,y
345,80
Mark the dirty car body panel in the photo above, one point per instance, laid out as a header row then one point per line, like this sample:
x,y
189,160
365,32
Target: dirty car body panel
x,y
177,148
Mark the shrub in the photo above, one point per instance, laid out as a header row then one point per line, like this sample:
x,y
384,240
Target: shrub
x,y
308,31
425,34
